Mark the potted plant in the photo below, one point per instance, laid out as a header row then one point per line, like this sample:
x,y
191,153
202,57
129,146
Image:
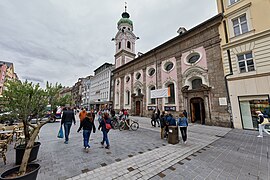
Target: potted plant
x,y
27,100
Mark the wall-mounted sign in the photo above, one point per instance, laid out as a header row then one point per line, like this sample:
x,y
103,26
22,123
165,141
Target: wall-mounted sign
x,y
151,108
160,93
170,108
222,101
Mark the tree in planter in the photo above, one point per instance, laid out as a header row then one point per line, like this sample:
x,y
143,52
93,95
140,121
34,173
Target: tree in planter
x,y
27,100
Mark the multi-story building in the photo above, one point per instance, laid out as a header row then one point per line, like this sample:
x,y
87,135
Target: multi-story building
x,y
6,73
86,84
100,88
245,33
77,93
188,66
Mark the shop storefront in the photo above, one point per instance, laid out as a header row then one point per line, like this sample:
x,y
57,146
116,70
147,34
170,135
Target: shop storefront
x,y
248,107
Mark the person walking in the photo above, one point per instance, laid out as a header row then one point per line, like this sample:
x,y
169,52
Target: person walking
x,y
158,117
262,122
105,120
162,125
166,125
82,115
88,125
153,119
183,124
185,113
67,118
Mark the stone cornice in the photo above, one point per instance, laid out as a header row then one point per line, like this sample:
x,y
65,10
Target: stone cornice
x,y
246,39
124,51
237,10
248,76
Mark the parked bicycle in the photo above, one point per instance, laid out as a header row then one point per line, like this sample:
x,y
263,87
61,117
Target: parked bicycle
x,y
129,124
115,122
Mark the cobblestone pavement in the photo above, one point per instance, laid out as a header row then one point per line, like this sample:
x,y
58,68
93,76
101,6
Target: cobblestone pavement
x,y
211,153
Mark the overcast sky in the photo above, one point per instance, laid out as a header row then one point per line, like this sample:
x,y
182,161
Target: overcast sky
x,y
62,40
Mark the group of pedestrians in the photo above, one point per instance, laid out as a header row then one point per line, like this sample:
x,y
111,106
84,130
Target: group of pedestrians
x,y
88,126
167,119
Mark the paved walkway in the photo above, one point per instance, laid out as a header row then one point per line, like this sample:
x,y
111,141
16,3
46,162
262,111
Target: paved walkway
x,y
211,153
152,163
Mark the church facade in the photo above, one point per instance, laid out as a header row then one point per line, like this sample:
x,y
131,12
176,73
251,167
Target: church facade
x,y
189,66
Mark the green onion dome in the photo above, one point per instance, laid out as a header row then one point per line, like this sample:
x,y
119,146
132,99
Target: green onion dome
x,y
125,19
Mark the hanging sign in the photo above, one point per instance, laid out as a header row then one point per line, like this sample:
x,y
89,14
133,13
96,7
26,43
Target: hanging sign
x,y
159,93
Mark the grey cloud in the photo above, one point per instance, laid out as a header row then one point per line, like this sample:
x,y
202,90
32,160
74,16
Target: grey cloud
x,y
62,40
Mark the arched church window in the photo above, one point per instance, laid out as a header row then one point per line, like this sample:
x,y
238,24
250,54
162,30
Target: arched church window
x,y
196,83
171,98
139,91
127,97
128,45
152,100
119,45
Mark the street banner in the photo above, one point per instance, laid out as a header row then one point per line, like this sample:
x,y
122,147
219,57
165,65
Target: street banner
x,y
159,93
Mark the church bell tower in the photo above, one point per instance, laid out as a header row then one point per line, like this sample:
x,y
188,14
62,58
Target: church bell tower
x,y
124,41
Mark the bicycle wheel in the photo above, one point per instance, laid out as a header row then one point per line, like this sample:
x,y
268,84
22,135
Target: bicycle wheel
x,y
121,125
134,126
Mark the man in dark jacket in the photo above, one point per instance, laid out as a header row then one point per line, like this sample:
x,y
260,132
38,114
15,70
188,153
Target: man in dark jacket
x,y
67,118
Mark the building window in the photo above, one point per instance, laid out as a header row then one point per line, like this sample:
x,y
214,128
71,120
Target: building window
x,y
248,107
152,100
171,98
117,98
168,66
119,45
240,25
245,62
117,82
193,58
139,91
127,79
128,45
233,1
196,83
151,71
138,76
127,97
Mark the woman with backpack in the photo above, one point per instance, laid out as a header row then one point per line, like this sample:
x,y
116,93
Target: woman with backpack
x,y
105,126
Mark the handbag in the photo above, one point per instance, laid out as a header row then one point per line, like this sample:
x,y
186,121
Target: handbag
x,y
60,132
108,126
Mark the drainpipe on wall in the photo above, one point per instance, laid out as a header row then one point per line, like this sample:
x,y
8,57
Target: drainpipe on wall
x,y
230,67
226,80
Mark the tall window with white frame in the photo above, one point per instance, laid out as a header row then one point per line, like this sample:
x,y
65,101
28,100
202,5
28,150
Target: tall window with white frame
x,y
240,25
127,97
245,62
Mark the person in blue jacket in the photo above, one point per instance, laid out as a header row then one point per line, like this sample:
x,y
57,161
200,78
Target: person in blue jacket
x,y
171,120
183,124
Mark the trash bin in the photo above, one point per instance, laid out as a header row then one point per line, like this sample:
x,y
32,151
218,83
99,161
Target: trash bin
x,y
173,137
